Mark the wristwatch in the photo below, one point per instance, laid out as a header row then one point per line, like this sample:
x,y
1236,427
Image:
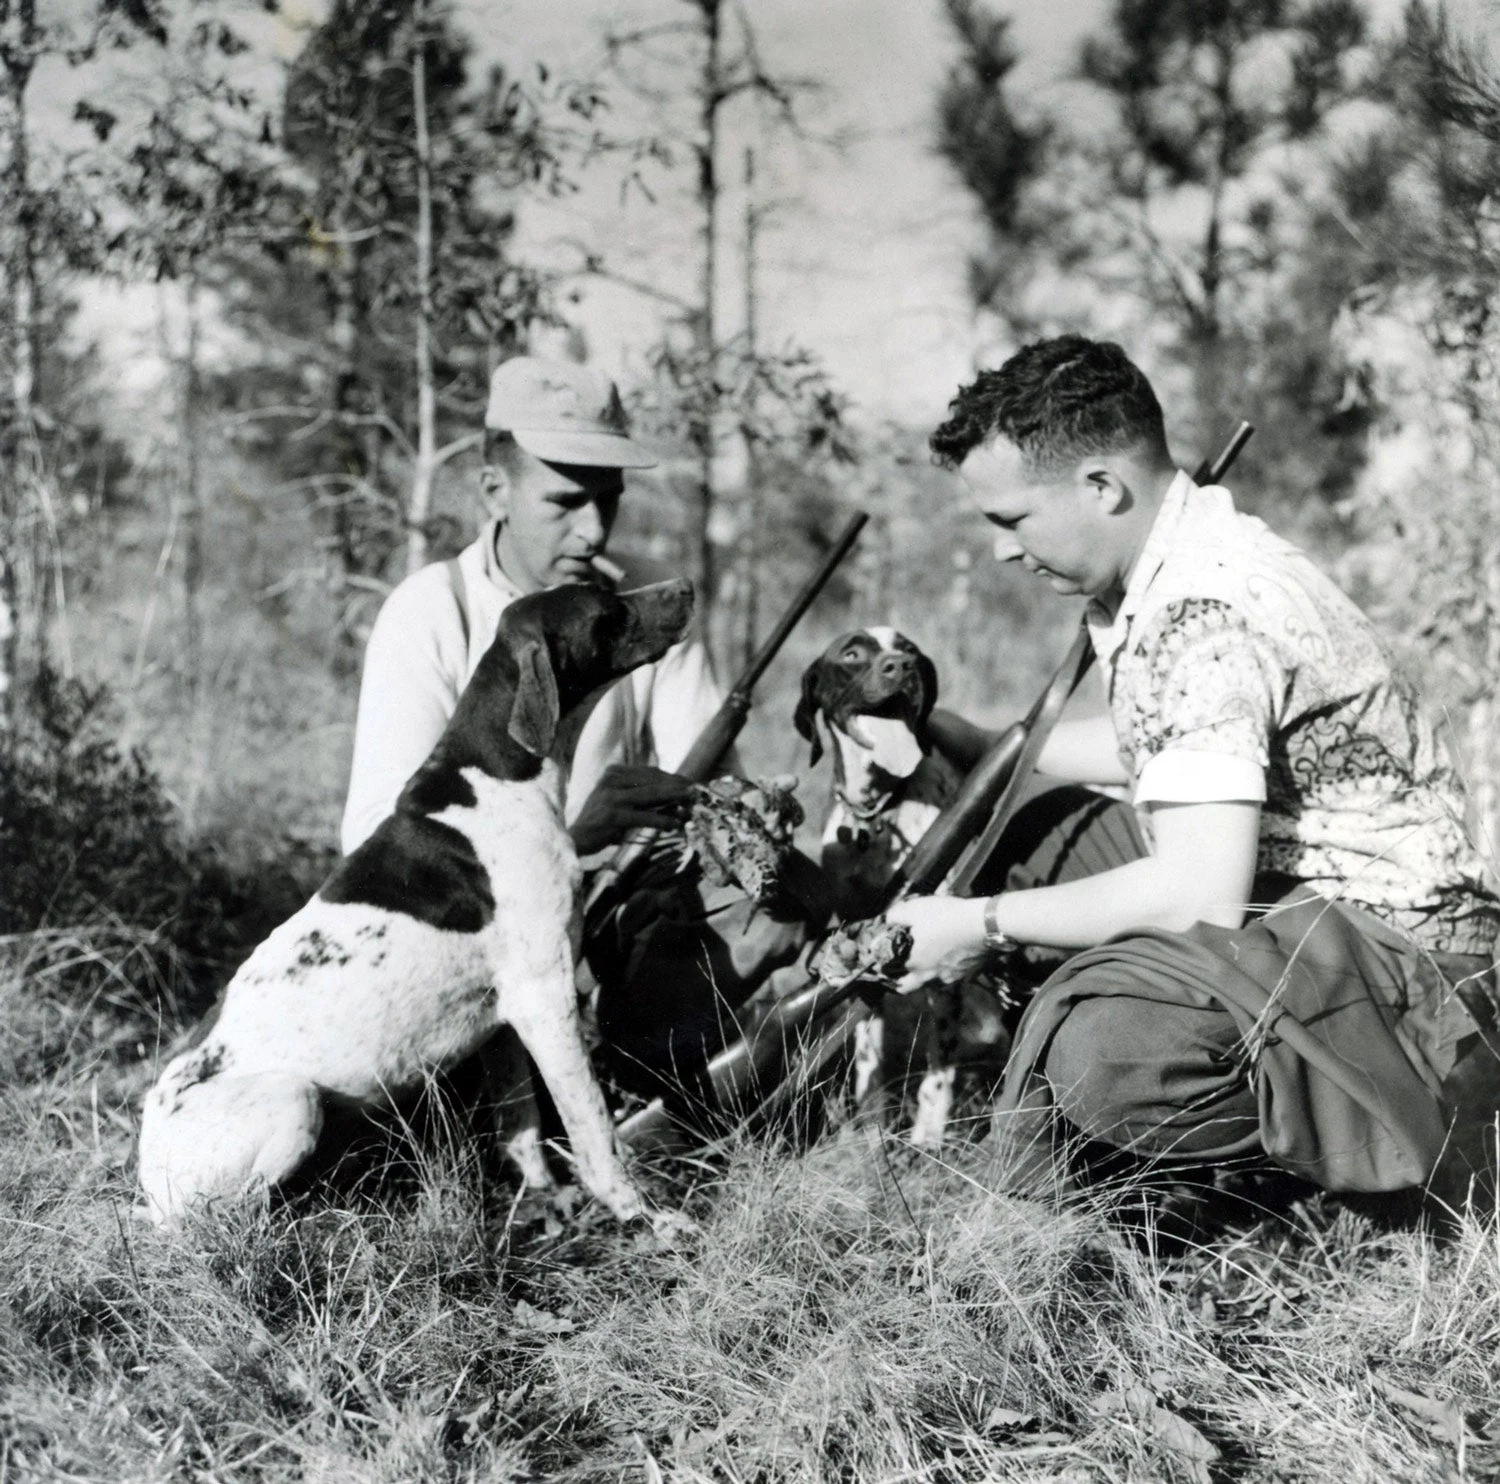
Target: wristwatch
x,y
994,938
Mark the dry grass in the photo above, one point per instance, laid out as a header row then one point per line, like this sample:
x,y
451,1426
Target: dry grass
x,y
853,1314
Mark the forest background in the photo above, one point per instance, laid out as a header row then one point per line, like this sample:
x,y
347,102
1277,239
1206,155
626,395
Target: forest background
x,y
257,261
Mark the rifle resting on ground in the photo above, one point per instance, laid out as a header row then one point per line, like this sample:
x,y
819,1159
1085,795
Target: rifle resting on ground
x,y
959,842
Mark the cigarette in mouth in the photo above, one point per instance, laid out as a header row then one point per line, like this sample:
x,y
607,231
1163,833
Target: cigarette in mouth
x,y
606,568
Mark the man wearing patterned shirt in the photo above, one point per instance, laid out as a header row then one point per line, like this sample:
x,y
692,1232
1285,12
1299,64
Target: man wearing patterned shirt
x,y
1299,962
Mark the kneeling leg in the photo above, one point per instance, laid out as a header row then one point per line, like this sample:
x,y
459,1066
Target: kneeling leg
x,y
1154,1078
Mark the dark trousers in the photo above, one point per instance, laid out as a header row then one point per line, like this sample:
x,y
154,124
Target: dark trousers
x,y
1283,1039
677,959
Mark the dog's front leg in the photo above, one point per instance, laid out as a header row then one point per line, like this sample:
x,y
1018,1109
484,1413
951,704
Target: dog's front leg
x,y
546,1020
934,1108
869,1060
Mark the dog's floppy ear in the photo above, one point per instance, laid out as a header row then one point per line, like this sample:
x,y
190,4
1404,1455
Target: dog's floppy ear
x,y
535,710
927,674
805,718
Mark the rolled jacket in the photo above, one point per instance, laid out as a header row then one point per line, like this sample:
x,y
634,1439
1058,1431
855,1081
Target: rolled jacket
x,y
1318,991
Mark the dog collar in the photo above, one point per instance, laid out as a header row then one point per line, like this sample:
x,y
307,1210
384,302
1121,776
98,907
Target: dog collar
x,y
864,812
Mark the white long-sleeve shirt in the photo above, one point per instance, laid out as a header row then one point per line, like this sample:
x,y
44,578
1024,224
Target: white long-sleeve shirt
x,y
421,654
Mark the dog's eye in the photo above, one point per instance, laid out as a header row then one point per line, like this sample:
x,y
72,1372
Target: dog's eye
x,y
852,656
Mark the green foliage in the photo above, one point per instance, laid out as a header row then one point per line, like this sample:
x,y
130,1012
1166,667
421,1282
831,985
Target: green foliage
x,y
1419,341
775,523
996,155
348,128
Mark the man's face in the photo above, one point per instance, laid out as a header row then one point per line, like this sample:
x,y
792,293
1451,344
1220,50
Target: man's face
x,y
1054,525
557,518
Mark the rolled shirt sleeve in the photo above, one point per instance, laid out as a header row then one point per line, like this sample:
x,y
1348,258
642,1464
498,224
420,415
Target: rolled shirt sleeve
x,y
1203,720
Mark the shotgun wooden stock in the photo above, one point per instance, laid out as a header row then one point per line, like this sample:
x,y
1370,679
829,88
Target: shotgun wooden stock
x,y
745,1073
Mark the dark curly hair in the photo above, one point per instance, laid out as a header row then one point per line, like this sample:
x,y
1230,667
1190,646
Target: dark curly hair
x,y
1058,401
502,450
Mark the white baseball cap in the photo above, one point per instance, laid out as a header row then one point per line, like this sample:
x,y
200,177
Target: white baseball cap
x,y
564,413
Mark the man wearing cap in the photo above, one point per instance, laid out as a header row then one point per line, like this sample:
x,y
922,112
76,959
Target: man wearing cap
x,y
556,447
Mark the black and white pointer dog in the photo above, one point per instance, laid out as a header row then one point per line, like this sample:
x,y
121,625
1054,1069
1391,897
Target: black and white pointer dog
x,y
457,916
873,691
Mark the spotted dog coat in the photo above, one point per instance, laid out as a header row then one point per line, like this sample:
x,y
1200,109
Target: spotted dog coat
x,y
873,691
456,916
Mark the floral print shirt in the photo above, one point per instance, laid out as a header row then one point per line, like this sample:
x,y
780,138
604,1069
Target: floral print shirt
x,y
1236,670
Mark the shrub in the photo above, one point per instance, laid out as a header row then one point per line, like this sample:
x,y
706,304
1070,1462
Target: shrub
x,y
94,861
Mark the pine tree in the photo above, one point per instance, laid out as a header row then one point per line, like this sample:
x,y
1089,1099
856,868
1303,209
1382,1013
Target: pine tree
x,y
1179,209
405,244
997,155
703,76
1422,345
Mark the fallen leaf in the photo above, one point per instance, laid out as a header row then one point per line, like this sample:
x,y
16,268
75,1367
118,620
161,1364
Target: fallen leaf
x,y
1174,1431
539,1321
1169,1428
1442,1418
998,1417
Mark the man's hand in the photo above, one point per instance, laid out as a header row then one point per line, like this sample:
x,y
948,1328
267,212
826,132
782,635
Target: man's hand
x,y
958,739
947,938
630,797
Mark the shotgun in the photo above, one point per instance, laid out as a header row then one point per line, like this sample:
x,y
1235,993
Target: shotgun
x,y
963,836
715,740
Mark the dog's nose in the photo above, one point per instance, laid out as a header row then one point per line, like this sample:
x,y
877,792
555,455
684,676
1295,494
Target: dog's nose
x,y
894,666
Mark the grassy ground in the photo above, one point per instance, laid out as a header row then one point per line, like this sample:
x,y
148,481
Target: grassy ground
x,y
857,1313
854,1314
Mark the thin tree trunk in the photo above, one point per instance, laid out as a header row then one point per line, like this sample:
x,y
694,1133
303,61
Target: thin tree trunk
x,y
1208,334
21,452
344,338
194,514
750,541
426,461
1484,752
711,100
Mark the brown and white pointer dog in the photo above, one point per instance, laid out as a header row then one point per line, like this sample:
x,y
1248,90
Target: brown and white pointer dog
x,y
457,916
874,691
